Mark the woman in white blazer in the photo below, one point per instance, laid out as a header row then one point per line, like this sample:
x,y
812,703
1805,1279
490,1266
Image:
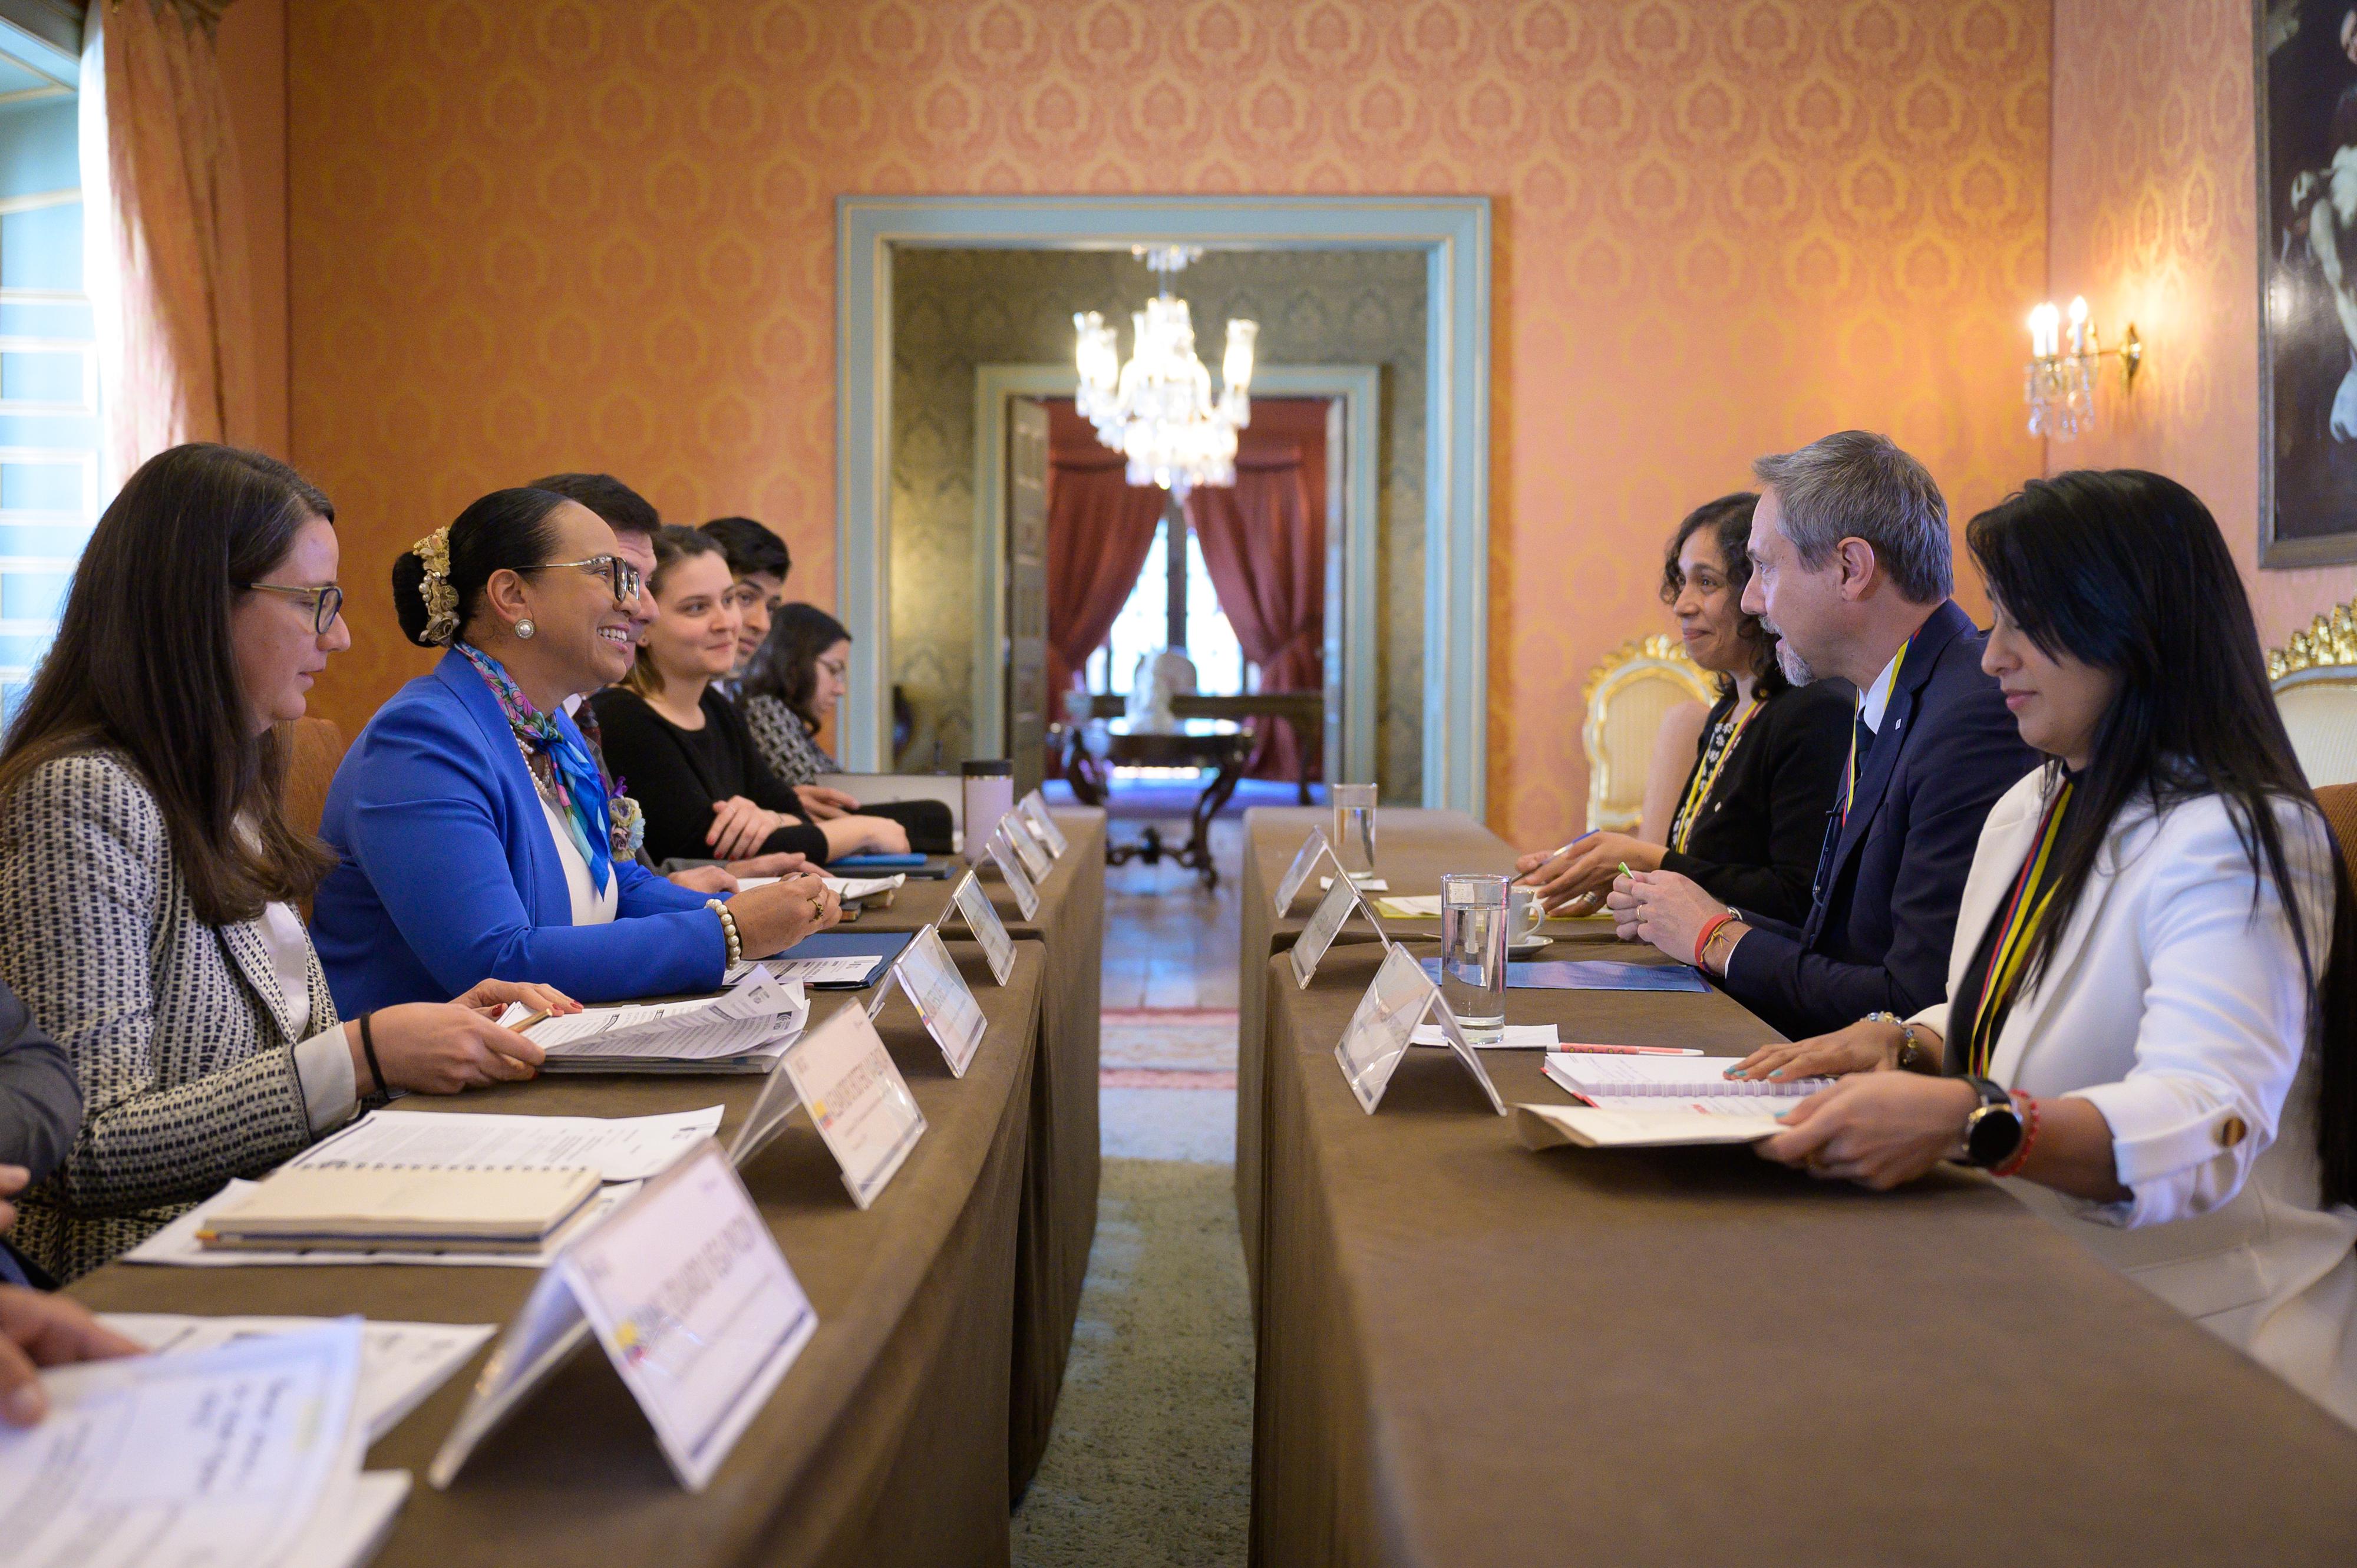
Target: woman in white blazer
x,y
2151,1018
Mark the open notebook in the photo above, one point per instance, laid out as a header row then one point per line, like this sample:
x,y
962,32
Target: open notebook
x,y
1656,1101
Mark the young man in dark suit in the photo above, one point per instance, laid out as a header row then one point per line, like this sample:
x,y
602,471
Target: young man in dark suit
x,y
1851,564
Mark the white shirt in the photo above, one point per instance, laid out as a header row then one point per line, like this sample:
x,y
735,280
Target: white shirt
x,y
323,1063
2179,1010
1871,706
590,907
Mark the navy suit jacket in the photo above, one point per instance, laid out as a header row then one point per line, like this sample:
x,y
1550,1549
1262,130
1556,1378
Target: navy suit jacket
x,y
1883,915
447,873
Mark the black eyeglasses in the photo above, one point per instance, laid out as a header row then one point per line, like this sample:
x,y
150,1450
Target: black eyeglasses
x,y
619,574
326,603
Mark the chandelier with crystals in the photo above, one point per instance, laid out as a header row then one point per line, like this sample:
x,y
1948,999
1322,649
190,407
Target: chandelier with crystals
x,y
1157,410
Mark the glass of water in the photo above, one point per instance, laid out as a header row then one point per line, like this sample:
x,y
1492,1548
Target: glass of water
x,y
1354,829
1473,922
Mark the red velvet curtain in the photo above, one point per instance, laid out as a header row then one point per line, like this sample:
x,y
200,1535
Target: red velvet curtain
x,y
1264,544
1100,530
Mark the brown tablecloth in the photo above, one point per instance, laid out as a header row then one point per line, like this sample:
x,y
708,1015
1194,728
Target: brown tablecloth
x,y
1061,1172
1412,847
1473,1354
886,1442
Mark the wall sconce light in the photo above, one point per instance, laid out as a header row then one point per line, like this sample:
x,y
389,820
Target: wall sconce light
x,y
2061,387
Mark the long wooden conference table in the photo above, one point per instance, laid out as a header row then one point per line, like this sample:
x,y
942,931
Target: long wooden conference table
x,y
1473,1354
944,1311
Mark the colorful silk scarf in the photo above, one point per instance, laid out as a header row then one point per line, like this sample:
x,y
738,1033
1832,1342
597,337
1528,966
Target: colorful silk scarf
x,y
561,768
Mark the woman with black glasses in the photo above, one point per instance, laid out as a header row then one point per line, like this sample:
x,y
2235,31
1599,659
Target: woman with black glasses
x,y
2151,1017
149,879
474,832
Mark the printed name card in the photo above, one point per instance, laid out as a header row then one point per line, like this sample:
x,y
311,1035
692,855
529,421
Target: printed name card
x,y
1384,1026
1325,922
930,975
1003,856
1305,860
857,1098
972,903
1035,811
698,1311
1029,845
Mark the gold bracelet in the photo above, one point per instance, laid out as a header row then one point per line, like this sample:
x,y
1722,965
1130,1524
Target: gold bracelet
x,y
728,930
1726,956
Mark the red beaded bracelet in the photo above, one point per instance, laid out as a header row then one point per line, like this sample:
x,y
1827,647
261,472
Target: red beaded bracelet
x,y
1709,930
2029,1137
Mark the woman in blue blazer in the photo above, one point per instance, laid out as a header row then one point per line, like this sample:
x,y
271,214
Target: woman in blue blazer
x,y
474,832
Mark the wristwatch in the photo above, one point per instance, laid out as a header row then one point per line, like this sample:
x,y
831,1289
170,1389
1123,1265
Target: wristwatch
x,y
1912,1056
1993,1132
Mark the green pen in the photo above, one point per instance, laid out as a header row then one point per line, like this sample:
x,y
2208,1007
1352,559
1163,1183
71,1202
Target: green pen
x,y
1627,873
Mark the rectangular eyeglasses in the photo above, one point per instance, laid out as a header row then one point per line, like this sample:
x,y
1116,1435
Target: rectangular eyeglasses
x,y
326,603
619,574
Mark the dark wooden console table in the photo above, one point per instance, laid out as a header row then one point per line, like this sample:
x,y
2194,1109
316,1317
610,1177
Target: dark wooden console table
x,y
1224,750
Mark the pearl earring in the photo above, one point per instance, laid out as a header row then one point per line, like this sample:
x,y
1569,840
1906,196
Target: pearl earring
x,y
524,629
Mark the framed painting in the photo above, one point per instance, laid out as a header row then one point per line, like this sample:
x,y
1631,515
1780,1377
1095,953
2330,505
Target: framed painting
x,y
2306,102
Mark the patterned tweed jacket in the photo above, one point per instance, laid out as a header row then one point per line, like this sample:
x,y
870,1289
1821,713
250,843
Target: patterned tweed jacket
x,y
177,1029
784,745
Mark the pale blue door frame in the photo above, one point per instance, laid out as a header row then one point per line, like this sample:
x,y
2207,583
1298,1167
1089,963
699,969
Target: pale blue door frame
x,y
1453,233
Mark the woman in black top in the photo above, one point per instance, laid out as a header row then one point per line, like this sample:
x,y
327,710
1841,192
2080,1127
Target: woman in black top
x,y
680,748
1751,817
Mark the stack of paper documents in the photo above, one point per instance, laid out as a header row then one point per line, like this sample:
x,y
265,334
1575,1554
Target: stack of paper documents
x,y
742,1030
245,1454
400,1363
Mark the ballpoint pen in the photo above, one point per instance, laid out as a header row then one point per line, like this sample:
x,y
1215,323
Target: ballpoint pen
x,y
1562,849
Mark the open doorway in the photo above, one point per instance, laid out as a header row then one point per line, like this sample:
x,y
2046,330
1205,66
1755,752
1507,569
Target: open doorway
x,y
965,330
1239,580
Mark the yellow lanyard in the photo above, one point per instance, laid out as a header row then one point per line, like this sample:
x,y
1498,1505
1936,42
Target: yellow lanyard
x,y
1700,791
2021,924
1897,662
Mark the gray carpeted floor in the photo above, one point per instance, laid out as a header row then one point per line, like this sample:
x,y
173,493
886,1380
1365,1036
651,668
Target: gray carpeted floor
x,y
1150,1461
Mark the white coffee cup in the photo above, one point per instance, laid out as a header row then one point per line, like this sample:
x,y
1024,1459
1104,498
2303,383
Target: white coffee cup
x,y
1525,912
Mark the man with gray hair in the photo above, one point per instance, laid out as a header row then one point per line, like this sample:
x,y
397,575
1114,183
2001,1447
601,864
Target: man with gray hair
x,y
1851,567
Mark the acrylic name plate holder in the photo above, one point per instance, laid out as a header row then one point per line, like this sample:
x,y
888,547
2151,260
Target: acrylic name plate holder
x,y
1004,855
1034,807
697,1309
1384,1026
1342,901
857,1099
971,903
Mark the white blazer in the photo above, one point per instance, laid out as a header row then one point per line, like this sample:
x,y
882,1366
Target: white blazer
x,y
2180,1012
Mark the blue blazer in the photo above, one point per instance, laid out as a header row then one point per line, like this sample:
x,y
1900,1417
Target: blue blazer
x,y
1882,914
448,874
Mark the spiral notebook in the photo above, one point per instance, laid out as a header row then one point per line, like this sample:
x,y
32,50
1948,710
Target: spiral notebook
x,y
1675,1083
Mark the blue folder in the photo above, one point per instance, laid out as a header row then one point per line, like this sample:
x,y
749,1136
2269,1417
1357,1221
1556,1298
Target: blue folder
x,y
1592,974
875,863
883,946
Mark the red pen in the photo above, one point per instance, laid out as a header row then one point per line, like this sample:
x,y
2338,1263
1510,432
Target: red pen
x,y
1631,1050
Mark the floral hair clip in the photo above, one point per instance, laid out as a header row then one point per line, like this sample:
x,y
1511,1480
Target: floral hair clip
x,y
441,598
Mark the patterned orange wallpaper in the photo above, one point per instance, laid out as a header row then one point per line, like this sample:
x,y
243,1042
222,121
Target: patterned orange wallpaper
x,y
2156,209
528,233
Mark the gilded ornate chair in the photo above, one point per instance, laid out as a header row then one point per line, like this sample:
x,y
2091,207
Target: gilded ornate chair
x,y
1627,695
2315,678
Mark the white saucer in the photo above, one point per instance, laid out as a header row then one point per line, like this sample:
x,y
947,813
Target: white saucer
x,y
1528,945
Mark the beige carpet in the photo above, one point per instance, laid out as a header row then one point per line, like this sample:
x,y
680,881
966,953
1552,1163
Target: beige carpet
x,y
1150,1461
